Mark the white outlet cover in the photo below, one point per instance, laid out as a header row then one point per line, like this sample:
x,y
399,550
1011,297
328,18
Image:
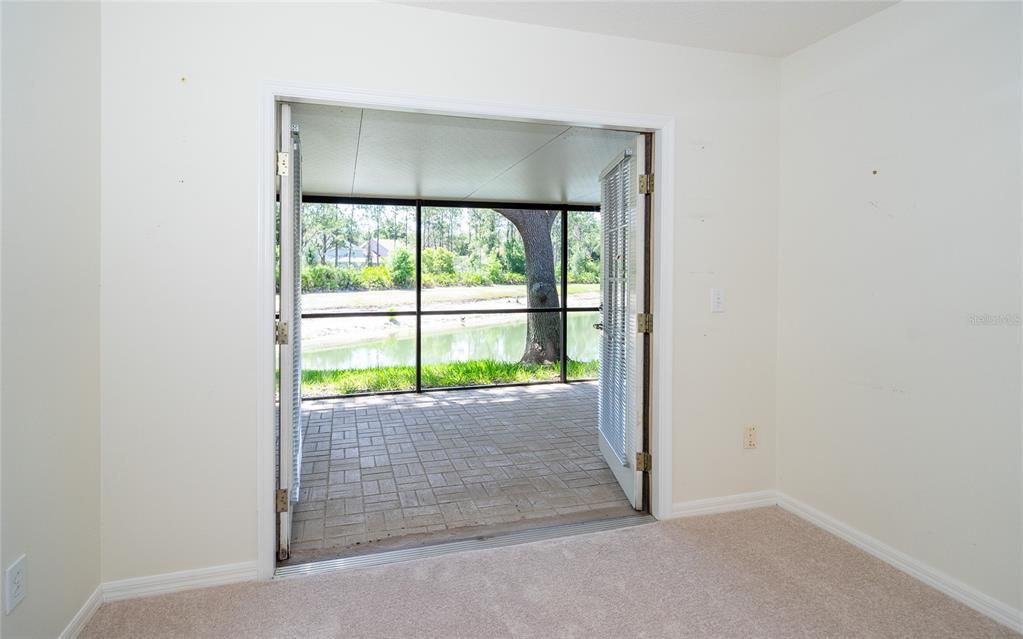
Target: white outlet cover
x,y
749,438
15,583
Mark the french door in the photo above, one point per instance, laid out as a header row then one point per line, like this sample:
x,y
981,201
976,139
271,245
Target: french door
x,y
624,349
289,338
622,407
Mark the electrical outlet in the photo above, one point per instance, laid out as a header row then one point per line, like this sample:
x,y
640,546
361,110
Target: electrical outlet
x,y
749,437
15,583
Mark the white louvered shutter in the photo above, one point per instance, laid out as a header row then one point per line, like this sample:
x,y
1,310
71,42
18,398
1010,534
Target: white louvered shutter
x,y
619,407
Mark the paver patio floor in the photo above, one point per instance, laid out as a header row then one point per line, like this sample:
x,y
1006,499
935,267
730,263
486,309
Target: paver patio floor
x,y
387,471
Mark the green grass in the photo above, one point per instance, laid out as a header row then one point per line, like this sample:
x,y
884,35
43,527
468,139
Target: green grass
x,y
474,373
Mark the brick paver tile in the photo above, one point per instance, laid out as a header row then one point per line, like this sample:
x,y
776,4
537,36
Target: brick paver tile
x,y
376,468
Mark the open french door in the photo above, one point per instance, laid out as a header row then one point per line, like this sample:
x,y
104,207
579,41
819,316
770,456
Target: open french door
x,y
625,320
289,326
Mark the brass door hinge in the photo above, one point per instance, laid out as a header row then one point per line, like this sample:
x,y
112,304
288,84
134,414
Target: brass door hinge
x,y
281,332
282,500
646,184
645,323
282,163
643,462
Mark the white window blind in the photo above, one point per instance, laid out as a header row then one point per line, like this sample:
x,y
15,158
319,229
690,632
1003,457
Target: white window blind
x,y
295,338
616,403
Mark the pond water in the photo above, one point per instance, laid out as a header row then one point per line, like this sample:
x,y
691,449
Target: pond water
x,y
502,342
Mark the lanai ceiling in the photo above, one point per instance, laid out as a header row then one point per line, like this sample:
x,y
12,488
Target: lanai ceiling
x,y
376,153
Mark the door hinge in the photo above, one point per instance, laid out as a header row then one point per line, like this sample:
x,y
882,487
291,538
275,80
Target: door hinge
x,y
282,163
645,323
646,183
643,462
281,332
282,500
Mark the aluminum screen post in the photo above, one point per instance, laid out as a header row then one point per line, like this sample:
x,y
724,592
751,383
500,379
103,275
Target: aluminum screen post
x,y
564,296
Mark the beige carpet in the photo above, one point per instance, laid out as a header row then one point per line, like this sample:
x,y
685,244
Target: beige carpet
x,y
758,573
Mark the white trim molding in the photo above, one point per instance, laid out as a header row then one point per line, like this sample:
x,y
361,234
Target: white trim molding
x,y
728,503
179,581
84,614
946,584
158,585
662,126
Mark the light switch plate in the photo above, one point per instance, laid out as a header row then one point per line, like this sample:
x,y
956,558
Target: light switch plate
x,y
717,300
15,583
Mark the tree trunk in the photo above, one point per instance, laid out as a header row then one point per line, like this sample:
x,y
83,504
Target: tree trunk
x,y
337,246
543,330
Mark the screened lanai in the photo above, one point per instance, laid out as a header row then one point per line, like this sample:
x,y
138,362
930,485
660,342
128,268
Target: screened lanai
x,y
448,286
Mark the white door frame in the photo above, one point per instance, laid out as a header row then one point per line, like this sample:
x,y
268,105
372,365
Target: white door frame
x,y
663,128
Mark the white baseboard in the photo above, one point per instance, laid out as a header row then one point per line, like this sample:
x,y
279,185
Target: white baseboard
x,y
982,603
178,581
157,585
246,571
728,503
84,614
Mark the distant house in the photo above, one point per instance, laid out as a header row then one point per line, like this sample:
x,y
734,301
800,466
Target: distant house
x,y
372,252
340,256
378,251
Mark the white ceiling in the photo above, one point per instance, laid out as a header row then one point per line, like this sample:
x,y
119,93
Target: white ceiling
x,y
371,153
766,28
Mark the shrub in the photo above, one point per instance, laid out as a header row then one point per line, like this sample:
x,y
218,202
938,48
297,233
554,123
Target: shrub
x,y
584,268
475,279
494,268
586,277
447,279
376,277
438,261
323,277
348,279
515,256
433,280
403,268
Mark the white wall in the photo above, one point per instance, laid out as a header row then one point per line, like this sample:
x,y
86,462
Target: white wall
x,y
898,414
50,306
180,90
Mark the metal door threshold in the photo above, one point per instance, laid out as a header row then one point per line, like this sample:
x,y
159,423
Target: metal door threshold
x,y
476,543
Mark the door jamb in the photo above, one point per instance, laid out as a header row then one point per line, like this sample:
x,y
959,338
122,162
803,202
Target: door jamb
x,y
660,388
